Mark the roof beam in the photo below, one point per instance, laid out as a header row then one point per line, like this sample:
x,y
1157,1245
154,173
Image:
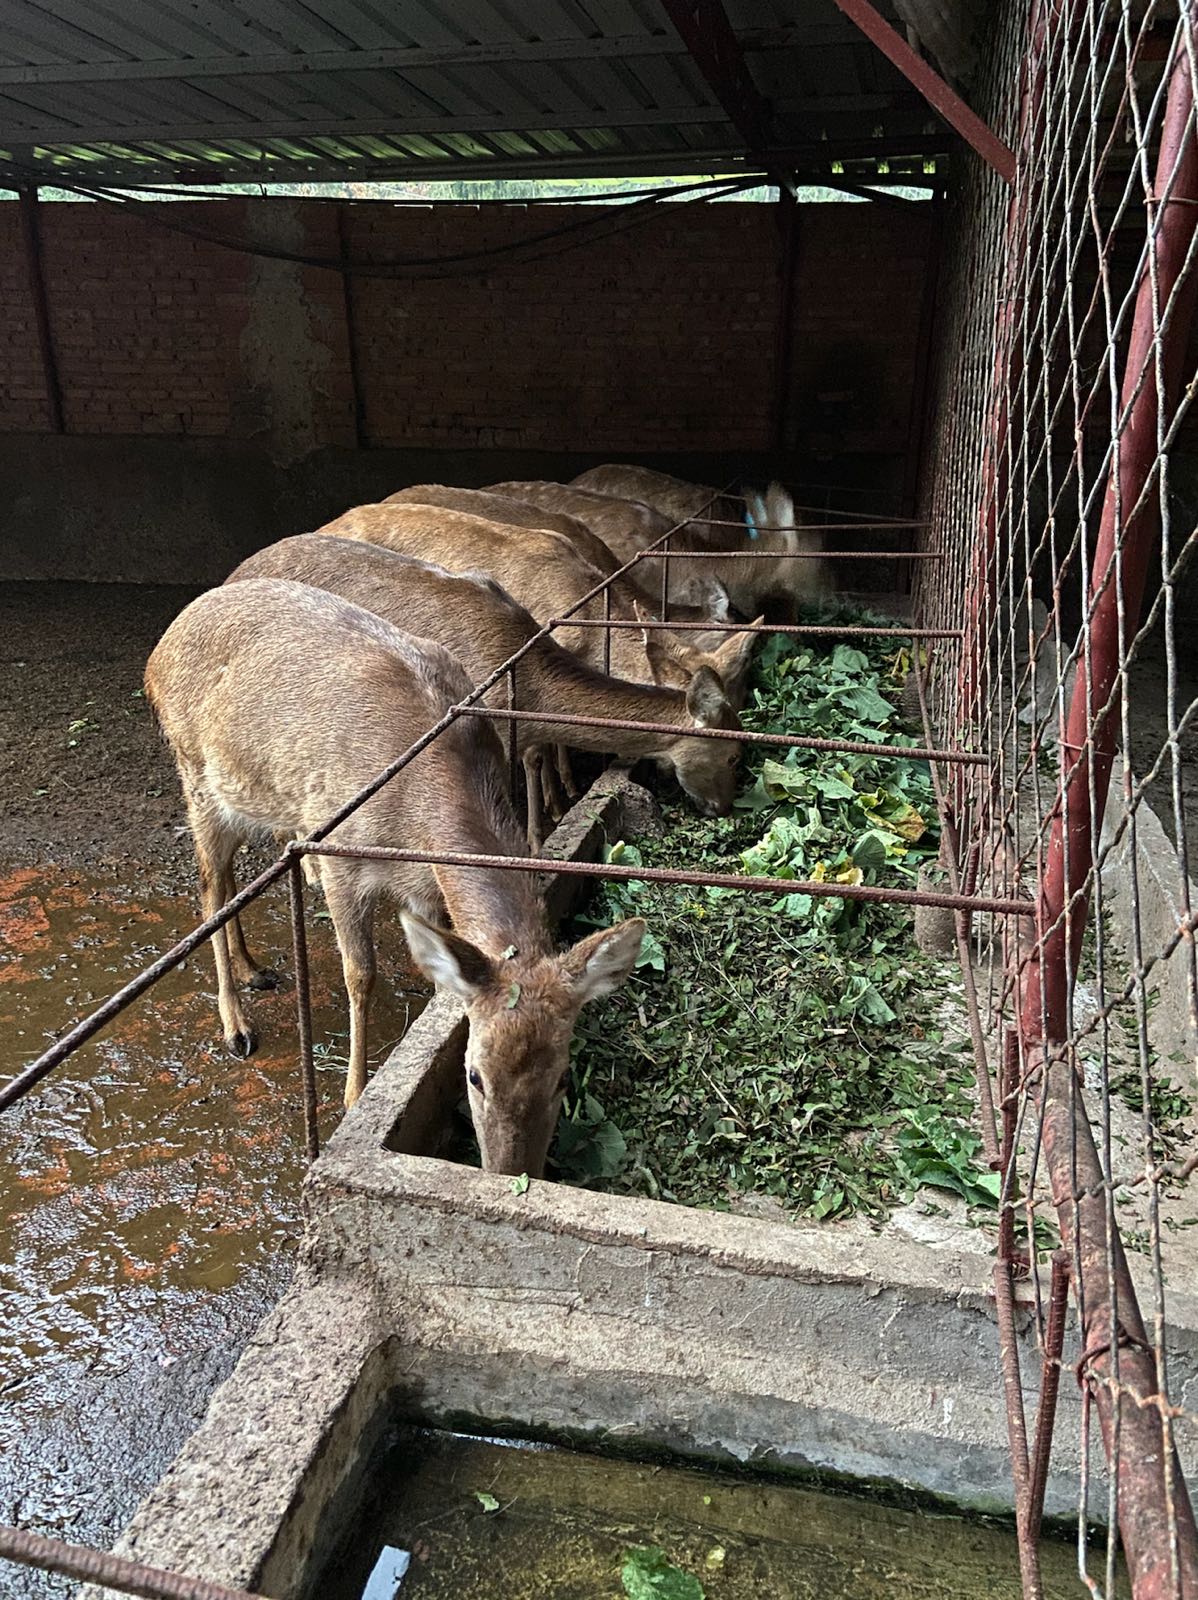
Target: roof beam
x,y
811,164
712,44
943,100
377,126
403,58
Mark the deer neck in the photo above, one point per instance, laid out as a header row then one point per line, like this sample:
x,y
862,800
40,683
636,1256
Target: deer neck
x,y
494,908
575,689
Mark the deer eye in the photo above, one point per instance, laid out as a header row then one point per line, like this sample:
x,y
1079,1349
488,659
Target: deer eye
x,y
476,1080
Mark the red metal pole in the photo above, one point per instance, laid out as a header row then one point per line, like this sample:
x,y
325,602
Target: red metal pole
x,y
1155,1517
943,100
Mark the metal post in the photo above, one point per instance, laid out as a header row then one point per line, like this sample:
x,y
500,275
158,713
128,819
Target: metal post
x,y
513,754
1050,1381
351,334
31,233
665,580
788,225
303,1006
607,631
1004,1305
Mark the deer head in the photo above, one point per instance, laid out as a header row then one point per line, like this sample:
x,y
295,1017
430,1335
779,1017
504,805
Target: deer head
x,y
521,1010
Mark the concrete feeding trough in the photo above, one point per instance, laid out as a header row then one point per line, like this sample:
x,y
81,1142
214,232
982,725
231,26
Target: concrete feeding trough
x,y
432,1292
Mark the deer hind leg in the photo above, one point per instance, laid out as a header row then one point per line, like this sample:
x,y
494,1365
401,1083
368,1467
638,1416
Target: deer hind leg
x,y
244,968
215,845
561,759
353,923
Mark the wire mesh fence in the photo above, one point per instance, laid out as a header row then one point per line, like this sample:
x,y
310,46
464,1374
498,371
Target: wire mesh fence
x,y
1063,491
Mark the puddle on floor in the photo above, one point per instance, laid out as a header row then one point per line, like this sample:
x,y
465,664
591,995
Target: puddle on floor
x,y
151,1169
475,1519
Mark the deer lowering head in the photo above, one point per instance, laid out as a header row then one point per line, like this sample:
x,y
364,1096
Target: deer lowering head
x,y
522,1011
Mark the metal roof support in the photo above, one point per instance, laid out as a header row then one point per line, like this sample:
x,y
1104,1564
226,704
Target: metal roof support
x,y
351,335
715,49
943,100
788,228
31,234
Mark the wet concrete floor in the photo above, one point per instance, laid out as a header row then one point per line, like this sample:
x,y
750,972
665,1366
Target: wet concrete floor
x,y
149,1189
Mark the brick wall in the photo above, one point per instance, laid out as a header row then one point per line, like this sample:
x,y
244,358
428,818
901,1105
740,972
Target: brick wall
x,y
662,338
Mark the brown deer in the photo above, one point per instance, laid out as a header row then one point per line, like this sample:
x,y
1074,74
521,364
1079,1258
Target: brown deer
x,y
675,498
542,572
280,702
470,614
696,601
758,525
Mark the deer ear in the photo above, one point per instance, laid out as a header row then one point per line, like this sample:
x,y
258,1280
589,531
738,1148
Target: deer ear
x,y
669,669
732,657
780,507
719,601
707,699
450,961
599,964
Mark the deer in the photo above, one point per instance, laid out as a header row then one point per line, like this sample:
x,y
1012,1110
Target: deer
x,y
777,587
471,615
703,601
280,702
545,574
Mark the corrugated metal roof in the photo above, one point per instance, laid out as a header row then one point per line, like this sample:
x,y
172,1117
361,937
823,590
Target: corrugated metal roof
x,y
334,89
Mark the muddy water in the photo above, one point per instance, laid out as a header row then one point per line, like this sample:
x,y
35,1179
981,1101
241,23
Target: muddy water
x,y
149,1189
479,1520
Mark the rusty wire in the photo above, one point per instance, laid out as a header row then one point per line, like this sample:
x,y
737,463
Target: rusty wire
x,y
1066,383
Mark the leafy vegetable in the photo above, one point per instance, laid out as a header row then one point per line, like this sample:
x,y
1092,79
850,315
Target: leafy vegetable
x,y
487,1501
649,1574
785,1046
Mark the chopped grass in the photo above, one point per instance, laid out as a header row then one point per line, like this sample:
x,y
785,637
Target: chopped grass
x,y
783,1046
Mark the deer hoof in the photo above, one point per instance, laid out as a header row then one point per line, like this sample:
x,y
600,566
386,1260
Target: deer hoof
x,y
242,1044
264,978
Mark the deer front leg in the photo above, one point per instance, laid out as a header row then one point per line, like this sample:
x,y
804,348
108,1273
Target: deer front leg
x,y
534,771
561,757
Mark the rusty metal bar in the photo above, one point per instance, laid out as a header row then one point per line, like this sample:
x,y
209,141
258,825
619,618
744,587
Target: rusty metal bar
x,y
607,630
31,233
112,1572
1050,1382
1156,1520
1004,1305
818,631
782,741
513,753
666,554
887,526
821,527
877,893
303,1006
943,100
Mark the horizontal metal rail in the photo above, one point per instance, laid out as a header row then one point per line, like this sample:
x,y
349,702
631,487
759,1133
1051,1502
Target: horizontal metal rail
x,y
113,1572
785,741
812,527
817,630
787,555
877,893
